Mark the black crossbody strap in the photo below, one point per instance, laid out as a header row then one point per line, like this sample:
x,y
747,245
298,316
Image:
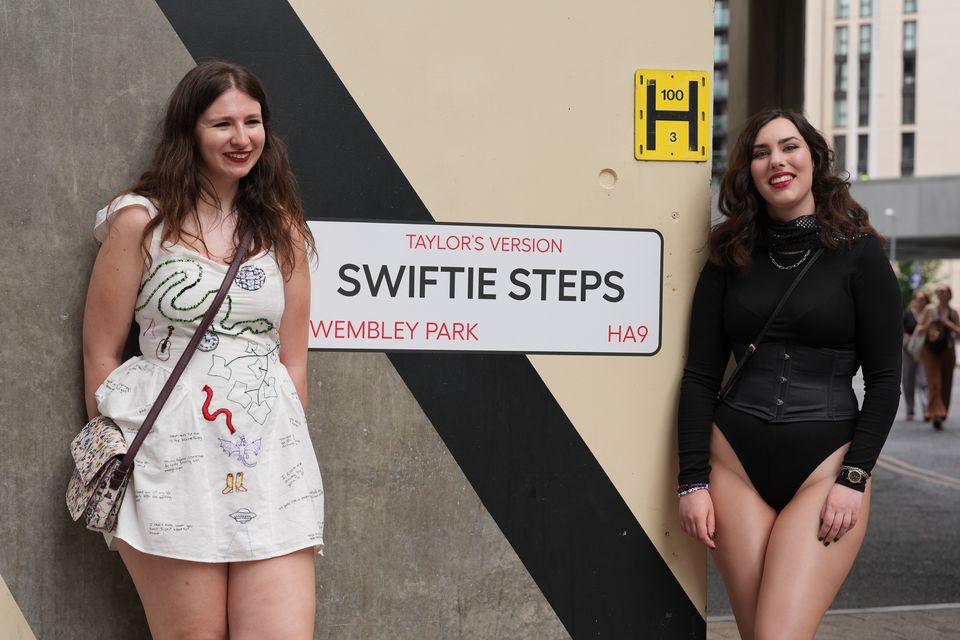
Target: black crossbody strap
x,y
124,467
773,316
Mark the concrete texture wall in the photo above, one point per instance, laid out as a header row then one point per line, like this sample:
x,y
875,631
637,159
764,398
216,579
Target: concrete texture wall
x,y
417,544
83,85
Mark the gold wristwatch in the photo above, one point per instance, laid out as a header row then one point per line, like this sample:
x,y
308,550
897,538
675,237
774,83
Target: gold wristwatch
x,y
854,475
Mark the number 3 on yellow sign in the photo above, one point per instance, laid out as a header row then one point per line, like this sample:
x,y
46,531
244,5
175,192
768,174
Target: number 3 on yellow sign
x,y
671,115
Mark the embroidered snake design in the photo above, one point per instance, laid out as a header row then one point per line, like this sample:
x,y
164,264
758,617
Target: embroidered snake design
x,y
213,416
175,282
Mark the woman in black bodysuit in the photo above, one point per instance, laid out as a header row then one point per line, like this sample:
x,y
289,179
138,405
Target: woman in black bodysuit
x,y
775,477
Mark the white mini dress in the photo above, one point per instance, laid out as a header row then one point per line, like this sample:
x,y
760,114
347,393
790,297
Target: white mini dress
x,y
228,472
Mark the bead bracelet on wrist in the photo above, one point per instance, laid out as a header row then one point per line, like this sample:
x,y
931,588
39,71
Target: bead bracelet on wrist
x,y
684,489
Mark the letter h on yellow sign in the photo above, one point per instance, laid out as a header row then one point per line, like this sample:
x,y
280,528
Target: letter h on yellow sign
x,y
671,115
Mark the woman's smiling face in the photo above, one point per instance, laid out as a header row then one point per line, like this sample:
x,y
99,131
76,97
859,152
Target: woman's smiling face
x,y
782,170
230,137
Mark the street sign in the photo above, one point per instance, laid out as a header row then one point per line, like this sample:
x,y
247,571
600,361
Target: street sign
x,y
671,115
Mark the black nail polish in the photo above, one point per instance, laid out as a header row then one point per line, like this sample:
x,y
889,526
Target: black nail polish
x,y
826,544
836,539
819,539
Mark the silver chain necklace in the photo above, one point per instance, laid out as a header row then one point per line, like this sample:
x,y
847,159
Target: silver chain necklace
x,y
792,266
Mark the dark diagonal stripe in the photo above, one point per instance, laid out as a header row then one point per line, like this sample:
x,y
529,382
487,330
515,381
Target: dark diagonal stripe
x,y
533,472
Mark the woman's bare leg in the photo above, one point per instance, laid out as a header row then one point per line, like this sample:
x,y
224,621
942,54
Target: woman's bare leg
x,y
182,599
744,522
801,576
273,598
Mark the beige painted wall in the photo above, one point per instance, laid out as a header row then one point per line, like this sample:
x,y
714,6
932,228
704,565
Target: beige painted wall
x,y
511,122
12,624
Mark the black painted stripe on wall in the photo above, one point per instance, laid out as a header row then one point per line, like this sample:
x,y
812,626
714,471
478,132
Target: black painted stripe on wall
x,y
542,485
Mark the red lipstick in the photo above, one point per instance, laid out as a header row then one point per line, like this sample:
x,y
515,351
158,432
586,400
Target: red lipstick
x,y
781,185
238,157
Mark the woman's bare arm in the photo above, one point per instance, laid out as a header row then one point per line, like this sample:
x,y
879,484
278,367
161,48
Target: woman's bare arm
x,y
294,323
111,296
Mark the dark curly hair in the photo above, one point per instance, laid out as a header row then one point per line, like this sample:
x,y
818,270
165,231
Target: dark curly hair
x,y
841,218
268,199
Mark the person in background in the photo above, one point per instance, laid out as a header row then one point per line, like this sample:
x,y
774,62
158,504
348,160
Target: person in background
x,y
940,324
914,378
775,478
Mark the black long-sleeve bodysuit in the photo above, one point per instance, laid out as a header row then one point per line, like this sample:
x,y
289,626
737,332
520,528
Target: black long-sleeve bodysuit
x,y
849,301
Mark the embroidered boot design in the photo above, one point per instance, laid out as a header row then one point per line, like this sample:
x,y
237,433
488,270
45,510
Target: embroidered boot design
x,y
239,487
229,488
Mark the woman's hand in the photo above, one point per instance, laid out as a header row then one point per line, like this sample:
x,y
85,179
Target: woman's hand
x,y
839,514
696,516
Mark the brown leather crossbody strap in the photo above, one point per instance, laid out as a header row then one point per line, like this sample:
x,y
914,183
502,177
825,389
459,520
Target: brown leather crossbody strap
x,y
124,467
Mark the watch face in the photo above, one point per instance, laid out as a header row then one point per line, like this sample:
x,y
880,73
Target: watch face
x,y
854,476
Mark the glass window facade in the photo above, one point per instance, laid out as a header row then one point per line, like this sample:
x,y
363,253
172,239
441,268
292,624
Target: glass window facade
x,y
721,14
840,76
841,42
907,154
720,85
909,6
840,153
866,8
721,48
910,36
909,88
840,112
862,150
866,34
863,93
842,9
909,108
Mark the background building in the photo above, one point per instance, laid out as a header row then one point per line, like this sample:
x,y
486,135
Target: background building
x,y
875,77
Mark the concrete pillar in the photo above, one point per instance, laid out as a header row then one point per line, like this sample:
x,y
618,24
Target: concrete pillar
x,y
481,496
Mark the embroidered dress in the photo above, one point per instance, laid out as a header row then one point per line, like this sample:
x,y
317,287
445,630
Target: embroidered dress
x,y
228,472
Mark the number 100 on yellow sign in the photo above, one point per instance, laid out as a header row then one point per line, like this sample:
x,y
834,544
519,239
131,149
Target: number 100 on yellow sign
x,y
671,115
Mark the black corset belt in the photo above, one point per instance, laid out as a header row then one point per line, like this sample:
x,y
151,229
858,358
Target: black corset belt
x,y
791,382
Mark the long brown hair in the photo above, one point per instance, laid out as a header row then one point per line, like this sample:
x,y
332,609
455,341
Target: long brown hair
x,y
841,218
268,199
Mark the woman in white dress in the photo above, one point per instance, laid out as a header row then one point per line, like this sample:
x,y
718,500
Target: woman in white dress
x,y
224,511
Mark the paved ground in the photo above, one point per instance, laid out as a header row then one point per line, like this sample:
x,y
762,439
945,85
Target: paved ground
x,y
935,624
911,556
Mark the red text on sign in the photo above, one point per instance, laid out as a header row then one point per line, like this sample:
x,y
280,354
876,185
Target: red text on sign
x,y
626,333
364,329
452,331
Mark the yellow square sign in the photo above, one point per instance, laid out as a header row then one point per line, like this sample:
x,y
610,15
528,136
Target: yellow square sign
x,y
671,115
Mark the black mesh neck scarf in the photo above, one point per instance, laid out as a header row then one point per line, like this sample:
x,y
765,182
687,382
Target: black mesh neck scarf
x,y
798,234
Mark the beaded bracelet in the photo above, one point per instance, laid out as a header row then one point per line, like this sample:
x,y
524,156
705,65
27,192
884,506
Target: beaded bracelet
x,y
684,489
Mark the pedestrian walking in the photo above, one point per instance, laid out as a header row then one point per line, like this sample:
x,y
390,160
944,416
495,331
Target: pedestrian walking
x,y
940,324
914,378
